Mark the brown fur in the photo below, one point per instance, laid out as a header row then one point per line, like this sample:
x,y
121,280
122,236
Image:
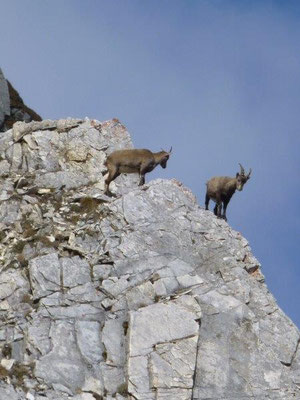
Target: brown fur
x,y
129,161
220,189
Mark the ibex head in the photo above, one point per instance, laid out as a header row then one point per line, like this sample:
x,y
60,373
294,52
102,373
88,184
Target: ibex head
x,y
163,157
241,178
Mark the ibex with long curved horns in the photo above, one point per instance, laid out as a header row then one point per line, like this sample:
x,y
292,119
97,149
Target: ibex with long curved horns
x,y
130,161
221,188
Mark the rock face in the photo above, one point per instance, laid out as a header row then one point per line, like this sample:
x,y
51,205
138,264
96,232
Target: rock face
x,y
140,296
12,107
4,99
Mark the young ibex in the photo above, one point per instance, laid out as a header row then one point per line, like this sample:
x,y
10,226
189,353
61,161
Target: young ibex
x,y
134,160
221,188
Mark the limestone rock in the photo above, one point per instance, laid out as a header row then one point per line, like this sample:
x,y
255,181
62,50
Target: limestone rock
x,y
12,107
144,295
4,99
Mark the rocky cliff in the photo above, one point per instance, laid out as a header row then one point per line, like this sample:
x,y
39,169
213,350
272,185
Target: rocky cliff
x,y
141,296
12,107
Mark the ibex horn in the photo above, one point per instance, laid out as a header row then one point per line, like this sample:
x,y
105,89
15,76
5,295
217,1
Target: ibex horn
x,y
170,150
248,176
242,169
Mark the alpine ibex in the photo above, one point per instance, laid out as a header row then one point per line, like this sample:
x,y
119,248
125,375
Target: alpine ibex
x,y
221,188
134,161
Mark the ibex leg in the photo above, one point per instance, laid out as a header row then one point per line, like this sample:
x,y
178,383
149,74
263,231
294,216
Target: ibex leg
x,y
206,202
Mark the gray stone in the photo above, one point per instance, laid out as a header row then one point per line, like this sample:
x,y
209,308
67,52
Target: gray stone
x,y
62,180
88,335
38,335
4,170
8,392
7,285
93,385
162,353
159,323
45,275
172,365
113,377
63,365
4,99
16,159
140,296
139,378
113,340
75,271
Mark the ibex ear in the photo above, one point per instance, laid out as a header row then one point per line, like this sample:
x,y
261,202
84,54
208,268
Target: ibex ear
x,y
237,175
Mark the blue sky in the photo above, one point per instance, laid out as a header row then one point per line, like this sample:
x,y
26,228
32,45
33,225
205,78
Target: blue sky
x,y
217,80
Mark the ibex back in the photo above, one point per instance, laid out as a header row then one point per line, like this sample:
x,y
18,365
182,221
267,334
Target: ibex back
x,y
130,161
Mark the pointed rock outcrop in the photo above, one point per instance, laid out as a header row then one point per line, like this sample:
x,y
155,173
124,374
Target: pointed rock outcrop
x,y
12,107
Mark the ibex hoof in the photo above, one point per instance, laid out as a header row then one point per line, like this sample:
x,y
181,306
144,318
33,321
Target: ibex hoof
x,y
110,194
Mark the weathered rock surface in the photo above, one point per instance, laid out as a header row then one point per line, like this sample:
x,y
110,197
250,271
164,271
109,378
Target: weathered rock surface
x,y
4,99
12,107
141,296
